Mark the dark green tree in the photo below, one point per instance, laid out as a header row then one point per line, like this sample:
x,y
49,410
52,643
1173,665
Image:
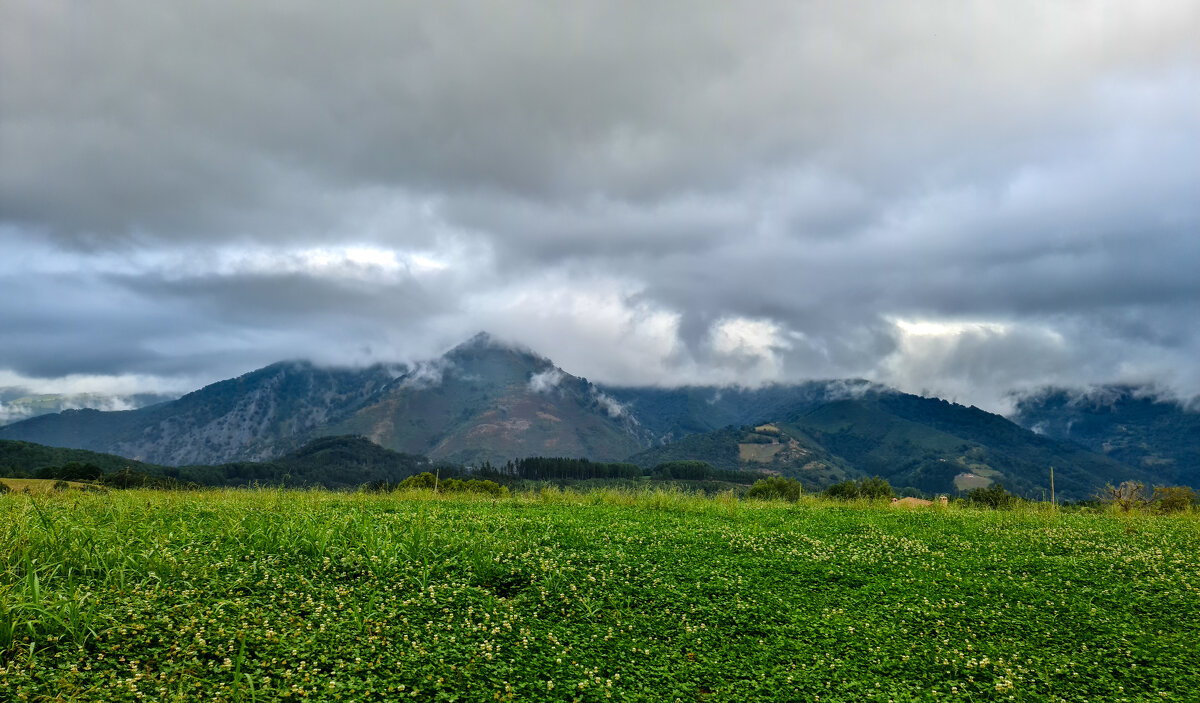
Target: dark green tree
x,y
993,496
775,488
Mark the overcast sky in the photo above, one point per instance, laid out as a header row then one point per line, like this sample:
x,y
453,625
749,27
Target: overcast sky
x,y
959,198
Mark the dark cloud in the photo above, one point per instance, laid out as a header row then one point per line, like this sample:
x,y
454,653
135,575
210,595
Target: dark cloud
x,y
664,192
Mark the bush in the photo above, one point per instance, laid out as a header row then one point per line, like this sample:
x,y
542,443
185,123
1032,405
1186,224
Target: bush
x,y
485,487
993,496
1173,499
776,488
424,480
60,485
427,481
870,488
4,487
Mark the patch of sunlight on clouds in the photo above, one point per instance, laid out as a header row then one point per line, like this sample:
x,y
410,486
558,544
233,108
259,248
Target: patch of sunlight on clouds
x,y
945,328
749,350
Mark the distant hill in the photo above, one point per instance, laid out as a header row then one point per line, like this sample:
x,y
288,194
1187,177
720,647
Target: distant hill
x,y
940,447
1128,424
28,458
329,462
913,442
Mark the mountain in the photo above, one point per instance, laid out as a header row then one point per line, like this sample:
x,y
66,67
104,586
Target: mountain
x,y
257,416
481,401
488,401
1132,425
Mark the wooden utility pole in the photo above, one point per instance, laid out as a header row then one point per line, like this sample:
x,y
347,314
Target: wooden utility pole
x,y
1052,501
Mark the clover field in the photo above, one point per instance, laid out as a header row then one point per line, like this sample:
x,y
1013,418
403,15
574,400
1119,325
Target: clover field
x,y
270,595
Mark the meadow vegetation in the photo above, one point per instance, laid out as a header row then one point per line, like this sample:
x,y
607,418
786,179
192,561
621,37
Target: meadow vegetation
x,y
271,595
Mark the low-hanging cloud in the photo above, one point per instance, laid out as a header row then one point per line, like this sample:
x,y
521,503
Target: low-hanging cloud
x,y
965,202
545,381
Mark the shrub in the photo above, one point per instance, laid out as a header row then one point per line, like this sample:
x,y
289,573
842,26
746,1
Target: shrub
x,y
451,485
1173,499
993,496
60,485
485,487
775,488
424,480
4,487
427,481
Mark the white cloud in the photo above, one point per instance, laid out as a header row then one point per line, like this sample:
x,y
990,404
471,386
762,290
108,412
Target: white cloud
x,y
545,381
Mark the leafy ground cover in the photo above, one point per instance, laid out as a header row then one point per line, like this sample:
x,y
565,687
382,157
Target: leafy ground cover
x,y
276,595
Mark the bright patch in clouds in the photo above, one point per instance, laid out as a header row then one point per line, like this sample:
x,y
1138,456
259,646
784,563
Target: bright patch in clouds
x,y
751,350
119,384
927,328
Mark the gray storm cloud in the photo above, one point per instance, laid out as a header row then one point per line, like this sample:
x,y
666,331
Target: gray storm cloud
x,y
963,201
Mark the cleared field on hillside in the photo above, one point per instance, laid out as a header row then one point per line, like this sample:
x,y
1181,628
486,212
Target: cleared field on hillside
x,y
273,595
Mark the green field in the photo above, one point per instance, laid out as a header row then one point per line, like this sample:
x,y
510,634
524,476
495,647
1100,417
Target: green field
x,y
276,595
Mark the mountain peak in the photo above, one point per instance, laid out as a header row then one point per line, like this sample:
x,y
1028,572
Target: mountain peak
x,y
481,340
484,344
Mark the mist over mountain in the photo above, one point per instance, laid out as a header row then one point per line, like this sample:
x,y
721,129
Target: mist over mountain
x,y
490,401
1136,426
19,404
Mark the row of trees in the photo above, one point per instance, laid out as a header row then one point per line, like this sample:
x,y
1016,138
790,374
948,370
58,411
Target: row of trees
x,y
540,468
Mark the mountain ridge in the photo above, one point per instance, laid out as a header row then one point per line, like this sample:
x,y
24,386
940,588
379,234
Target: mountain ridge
x,y
488,401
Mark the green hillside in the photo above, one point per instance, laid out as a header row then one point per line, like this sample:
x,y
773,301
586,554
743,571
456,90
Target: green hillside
x,y
329,462
785,451
27,458
922,443
1130,425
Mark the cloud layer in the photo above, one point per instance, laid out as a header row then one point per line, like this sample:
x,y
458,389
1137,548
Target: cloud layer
x,y
962,200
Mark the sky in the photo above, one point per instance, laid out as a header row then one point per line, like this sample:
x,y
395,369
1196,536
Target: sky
x,y
967,199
